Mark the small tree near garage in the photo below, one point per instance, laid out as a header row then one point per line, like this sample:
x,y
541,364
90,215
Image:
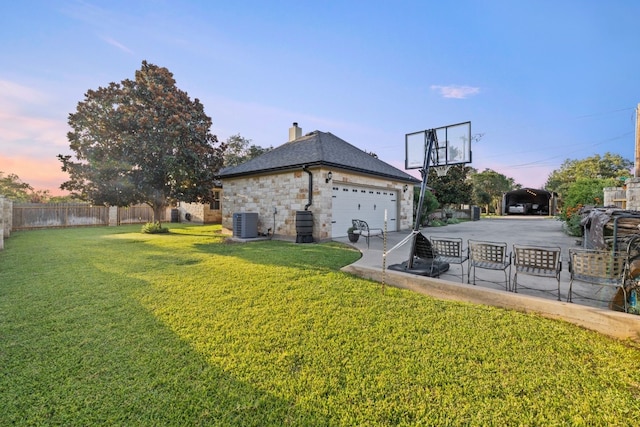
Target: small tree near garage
x,y
239,150
453,188
489,186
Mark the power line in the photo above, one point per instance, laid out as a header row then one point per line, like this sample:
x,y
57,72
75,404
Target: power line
x,y
585,116
576,151
565,154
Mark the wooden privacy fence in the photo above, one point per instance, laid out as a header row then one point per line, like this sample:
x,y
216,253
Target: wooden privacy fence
x,y
36,215
140,214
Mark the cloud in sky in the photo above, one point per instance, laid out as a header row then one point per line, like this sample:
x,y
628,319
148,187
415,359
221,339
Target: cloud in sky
x,y
117,44
18,131
24,127
456,91
12,93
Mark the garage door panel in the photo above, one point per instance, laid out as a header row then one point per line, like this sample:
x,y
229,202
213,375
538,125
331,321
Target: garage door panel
x,y
365,203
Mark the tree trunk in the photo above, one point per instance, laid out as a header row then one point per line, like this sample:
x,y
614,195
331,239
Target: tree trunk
x,y
158,212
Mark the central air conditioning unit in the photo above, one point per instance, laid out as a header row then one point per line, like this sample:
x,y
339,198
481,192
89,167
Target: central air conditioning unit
x,y
245,225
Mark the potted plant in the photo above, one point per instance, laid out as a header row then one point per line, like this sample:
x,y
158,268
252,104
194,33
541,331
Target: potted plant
x,y
353,237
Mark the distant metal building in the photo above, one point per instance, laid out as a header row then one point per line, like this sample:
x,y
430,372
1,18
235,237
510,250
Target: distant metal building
x,y
529,201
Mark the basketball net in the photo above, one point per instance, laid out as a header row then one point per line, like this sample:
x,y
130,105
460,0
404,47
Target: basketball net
x,y
442,170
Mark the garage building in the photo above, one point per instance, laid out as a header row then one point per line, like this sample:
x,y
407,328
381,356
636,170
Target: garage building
x,y
322,175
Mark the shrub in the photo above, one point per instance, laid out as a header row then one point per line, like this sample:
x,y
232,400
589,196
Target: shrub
x,y
429,205
154,228
571,217
585,191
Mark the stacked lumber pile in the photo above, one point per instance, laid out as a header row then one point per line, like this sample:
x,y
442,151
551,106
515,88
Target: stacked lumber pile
x,y
606,225
627,228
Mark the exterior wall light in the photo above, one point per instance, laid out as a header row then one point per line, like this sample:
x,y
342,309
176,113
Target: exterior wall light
x,y
329,176
405,188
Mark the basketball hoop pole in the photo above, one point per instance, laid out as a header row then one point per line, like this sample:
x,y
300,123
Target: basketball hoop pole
x,y
432,138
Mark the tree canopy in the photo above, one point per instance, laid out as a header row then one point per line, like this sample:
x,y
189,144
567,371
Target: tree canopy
x,y
239,150
454,187
12,187
142,141
489,186
587,191
595,167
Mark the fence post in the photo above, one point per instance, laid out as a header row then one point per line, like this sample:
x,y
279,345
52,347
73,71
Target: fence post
x,y
8,217
113,216
1,223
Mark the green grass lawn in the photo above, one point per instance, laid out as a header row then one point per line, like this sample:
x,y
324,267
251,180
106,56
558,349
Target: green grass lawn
x,y
113,327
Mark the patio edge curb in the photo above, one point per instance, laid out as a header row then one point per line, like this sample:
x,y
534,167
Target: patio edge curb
x,y
611,323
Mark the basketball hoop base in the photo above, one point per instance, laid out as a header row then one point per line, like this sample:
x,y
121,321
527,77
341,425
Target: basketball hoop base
x,y
429,268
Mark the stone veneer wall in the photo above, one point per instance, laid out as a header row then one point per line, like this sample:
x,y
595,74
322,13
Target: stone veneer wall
x,y
633,194
614,196
628,198
276,198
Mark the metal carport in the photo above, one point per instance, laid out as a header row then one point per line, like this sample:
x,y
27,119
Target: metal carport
x,y
538,202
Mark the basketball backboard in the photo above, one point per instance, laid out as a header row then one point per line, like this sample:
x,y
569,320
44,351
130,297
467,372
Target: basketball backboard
x,y
452,146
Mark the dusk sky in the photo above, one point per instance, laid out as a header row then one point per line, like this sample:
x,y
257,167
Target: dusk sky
x,y
543,81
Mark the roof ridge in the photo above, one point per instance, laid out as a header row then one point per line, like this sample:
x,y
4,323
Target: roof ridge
x,y
319,148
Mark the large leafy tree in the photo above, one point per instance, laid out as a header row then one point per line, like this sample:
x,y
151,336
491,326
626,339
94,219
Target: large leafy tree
x,y
452,188
489,186
142,141
595,167
239,150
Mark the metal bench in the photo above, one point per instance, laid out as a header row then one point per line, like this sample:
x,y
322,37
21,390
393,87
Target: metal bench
x,y
362,228
536,261
449,250
489,256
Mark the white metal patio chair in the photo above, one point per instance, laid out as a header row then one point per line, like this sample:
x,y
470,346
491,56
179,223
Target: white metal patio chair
x,y
450,250
362,228
537,261
489,256
599,267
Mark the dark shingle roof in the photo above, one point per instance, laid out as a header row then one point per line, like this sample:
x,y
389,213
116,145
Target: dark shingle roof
x,y
317,149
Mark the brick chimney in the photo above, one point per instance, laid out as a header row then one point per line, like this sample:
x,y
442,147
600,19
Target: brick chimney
x,y
294,132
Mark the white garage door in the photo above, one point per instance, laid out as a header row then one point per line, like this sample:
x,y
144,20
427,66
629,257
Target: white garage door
x,y
368,204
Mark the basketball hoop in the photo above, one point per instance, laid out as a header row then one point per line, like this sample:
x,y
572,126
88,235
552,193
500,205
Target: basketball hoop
x,y
442,170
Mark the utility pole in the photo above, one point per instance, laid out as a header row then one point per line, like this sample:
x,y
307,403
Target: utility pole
x,y
636,173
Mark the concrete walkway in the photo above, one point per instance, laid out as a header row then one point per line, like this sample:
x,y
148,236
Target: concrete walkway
x,y
535,294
